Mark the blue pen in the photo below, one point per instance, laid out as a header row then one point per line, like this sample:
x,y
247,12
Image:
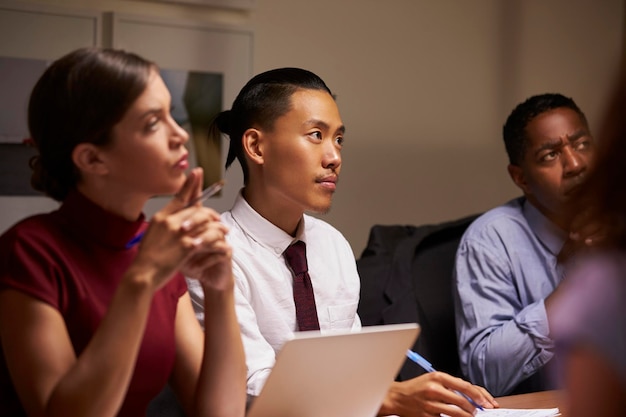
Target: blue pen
x,y
208,192
428,367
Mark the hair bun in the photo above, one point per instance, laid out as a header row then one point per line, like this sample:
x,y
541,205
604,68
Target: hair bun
x,y
223,121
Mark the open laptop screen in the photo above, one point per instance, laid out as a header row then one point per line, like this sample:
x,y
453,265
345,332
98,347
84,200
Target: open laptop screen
x,y
334,374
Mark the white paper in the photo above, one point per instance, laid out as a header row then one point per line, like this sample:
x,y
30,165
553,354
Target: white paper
x,y
516,412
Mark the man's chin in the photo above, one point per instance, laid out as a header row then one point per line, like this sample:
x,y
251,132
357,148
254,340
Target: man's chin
x,y
319,209
567,196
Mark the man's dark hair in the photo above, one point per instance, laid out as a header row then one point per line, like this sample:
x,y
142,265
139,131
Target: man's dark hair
x,y
263,99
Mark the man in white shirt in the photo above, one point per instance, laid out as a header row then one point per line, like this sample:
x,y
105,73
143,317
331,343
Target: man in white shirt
x,y
287,134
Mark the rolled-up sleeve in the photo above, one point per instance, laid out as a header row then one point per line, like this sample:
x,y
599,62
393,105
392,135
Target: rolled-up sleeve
x,y
502,327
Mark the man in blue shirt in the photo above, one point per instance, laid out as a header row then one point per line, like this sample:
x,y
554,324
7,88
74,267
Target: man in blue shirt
x,y
506,268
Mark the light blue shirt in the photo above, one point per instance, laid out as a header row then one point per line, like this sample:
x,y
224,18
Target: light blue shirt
x,y
505,268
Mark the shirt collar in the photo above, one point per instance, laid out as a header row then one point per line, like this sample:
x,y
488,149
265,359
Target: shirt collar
x,y
262,230
548,233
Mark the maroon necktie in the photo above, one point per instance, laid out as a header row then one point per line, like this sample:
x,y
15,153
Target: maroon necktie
x,y
306,313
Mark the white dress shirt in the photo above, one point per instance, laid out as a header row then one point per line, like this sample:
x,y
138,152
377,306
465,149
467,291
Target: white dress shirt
x,y
264,289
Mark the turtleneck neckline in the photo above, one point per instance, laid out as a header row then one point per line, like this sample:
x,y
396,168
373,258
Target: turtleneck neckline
x,y
94,223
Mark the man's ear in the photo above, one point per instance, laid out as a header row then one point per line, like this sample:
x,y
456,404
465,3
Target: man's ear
x,y
517,175
253,145
88,159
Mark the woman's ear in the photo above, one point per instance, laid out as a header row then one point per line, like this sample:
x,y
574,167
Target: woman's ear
x,y
88,159
253,145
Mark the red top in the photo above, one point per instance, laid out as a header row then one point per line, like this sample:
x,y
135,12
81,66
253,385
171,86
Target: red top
x,y
73,259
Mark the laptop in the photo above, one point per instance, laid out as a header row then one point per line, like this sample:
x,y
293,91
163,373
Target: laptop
x,y
336,374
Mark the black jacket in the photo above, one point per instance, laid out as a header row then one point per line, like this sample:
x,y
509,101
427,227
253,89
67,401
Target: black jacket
x,y
406,276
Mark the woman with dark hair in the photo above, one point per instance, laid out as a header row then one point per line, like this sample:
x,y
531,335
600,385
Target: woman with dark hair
x,y
590,311
90,322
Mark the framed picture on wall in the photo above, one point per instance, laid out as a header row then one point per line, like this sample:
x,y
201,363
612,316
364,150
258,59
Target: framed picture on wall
x,y
26,50
17,78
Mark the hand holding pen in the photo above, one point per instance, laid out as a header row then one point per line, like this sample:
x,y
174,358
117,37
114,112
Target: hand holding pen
x,y
207,193
421,361
210,191
180,231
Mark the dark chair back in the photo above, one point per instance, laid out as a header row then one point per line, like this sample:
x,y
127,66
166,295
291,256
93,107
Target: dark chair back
x,y
406,276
